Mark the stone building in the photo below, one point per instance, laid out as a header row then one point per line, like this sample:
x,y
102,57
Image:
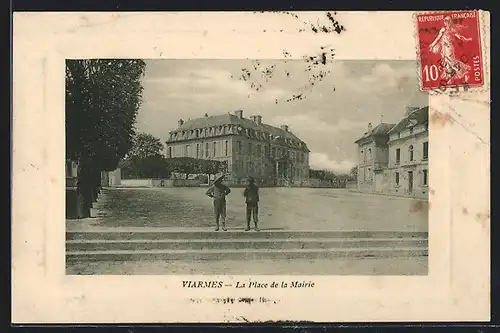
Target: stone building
x,y
409,154
373,156
274,156
393,158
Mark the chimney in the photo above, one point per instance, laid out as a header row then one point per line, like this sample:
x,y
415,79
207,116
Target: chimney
x,y
181,122
256,119
239,113
284,128
370,127
206,115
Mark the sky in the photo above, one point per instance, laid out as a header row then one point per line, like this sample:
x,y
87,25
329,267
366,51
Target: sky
x,y
331,115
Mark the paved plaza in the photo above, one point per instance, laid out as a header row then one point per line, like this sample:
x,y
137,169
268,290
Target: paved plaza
x,y
280,209
135,211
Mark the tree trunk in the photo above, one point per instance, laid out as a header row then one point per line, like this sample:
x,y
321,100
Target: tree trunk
x,y
97,183
84,188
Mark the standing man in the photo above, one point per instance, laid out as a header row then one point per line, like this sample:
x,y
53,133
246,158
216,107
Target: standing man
x,y
251,194
218,192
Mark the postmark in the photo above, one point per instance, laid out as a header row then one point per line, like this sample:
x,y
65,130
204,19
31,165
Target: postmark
x,y
449,50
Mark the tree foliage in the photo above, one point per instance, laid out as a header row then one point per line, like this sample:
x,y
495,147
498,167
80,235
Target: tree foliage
x,y
102,100
146,145
353,174
322,174
190,165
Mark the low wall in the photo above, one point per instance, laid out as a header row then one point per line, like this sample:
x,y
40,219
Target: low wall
x,y
137,182
176,182
160,182
315,183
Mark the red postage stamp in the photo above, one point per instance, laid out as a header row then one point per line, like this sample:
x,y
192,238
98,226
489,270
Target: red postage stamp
x,y
449,50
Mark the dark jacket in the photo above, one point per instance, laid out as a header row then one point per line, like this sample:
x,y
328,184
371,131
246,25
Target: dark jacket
x,y
251,194
218,191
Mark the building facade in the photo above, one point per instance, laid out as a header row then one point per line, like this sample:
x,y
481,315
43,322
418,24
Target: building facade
x,y
274,156
394,157
373,156
409,154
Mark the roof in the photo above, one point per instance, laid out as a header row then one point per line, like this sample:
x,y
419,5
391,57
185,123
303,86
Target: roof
x,y
418,117
379,130
232,119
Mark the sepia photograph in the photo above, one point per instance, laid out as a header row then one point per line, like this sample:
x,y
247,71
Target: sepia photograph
x,y
303,166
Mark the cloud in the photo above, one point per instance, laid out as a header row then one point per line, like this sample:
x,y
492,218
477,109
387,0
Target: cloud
x,y
209,83
310,123
385,78
324,161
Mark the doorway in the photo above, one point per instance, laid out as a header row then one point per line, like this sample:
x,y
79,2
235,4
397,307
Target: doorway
x,y
410,182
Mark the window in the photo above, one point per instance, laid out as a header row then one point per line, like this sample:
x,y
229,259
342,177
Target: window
x,y
426,150
249,148
424,177
397,178
226,147
266,151
369,153
411,130
240,148
198,147
293,156
398,156
369,174
169,152
410,150
274,152
259,150
215,148
187,151
206,149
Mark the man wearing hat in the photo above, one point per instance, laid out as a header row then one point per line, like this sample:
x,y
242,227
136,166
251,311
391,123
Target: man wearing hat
x,y
251,195
218,192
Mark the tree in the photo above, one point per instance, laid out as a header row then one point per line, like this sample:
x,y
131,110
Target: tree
x,y
145,145
190,165
322,174
354,173
102,100
145,159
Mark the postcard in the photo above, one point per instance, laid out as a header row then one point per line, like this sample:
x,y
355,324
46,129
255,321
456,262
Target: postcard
x,y
232,167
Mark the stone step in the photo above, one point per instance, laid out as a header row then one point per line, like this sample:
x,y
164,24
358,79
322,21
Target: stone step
x,y
243,243
165,233
243,254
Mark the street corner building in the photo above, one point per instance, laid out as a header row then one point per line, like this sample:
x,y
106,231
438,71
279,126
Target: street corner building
x,y
273,156
394,158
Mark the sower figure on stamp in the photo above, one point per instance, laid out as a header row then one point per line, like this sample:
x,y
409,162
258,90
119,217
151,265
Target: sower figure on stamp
x,y
218,192
251,194
443,43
